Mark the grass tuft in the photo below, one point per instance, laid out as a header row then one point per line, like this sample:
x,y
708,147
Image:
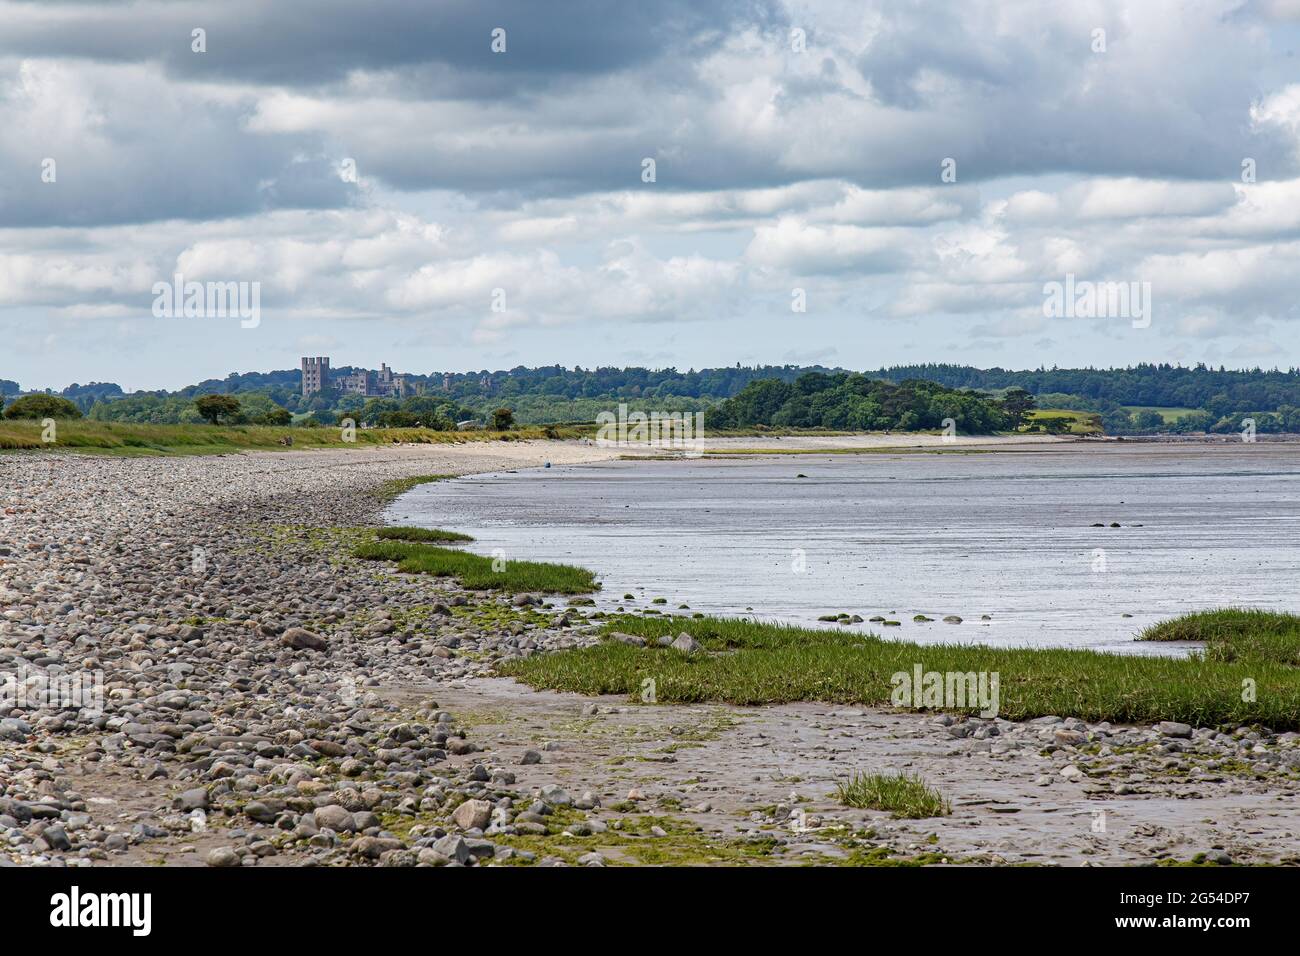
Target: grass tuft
x,y
904,796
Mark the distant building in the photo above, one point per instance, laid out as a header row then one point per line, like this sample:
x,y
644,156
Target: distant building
x,y
370,384
315,375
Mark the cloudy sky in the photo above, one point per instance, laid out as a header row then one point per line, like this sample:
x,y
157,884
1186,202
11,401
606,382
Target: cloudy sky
x,y
382,172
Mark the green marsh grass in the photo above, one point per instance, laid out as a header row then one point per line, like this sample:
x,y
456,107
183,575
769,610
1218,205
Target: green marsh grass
x,y
751,663
395,487
1235,634
476,572
403,533
904,796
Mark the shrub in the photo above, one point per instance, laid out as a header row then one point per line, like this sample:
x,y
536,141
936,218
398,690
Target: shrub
x,y
215,407
42,406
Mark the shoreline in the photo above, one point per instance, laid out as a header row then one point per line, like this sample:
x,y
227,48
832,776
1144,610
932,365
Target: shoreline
x,y
381,745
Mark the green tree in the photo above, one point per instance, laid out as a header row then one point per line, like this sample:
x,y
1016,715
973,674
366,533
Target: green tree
x,y
215,407
42,406
1149,421
1018,404
502,419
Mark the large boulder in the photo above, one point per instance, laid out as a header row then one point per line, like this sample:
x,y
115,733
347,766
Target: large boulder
x,y
301,639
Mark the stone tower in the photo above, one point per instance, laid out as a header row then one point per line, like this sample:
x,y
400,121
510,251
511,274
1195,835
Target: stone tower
x,y
315,374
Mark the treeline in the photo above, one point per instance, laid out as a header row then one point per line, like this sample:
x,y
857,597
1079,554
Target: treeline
x,y
1145,422
1218,391
536,395
255,408
1207,399
848,401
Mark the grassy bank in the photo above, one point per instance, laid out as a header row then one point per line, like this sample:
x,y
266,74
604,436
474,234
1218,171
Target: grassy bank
x,y
404,533
120,438
1235,634
749,663
479,573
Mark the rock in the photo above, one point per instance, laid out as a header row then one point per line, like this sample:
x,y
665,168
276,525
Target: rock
x,y
1171,728
685,643
472,814
530,757
452,848
372,848
556,796
952,619
301,639
14,729
223,856
1071,772
1070,738
335,818
256,810
196,799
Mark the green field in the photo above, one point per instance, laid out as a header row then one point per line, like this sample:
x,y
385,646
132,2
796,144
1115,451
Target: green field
x,y
1248,673
122,438
1170,415
1085,423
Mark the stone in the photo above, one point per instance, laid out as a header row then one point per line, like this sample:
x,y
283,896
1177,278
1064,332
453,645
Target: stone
x,y
335,818
301,639
452,848
223,856
1172,728
472,814
556,796
195,799
685,643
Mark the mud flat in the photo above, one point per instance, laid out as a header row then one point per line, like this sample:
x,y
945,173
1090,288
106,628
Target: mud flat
x,y
267,699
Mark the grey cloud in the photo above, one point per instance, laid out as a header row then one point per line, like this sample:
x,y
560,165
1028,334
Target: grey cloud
x,y
309,42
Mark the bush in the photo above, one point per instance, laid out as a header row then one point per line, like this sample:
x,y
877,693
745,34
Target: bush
x,y
42,406
502,419
215,407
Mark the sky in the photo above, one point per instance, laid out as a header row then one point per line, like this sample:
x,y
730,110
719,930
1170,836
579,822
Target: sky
x,y
470,184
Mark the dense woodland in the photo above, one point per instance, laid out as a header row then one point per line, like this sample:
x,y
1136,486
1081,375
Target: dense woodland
x,y
847,401
1143,398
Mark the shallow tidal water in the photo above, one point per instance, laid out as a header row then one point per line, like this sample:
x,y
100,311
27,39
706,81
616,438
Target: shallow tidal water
x,y
1007,534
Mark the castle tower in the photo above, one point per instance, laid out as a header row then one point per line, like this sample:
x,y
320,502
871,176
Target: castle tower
x,y
315,374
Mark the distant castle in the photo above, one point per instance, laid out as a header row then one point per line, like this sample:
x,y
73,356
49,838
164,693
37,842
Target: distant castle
x,y
371,384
